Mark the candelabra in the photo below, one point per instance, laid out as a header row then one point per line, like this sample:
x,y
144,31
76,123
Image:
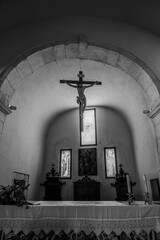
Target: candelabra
x,y
131,199
147,198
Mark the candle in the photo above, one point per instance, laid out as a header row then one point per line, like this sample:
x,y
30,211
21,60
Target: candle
x,y
145,183
128,183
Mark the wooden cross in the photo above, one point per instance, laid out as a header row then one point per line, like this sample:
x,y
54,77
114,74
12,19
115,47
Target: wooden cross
x,y
81,98
120,165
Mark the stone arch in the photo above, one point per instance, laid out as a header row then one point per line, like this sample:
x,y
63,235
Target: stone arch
x,y
29,62
118,58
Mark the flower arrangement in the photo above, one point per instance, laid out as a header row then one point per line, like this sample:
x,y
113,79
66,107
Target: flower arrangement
x,y
13,195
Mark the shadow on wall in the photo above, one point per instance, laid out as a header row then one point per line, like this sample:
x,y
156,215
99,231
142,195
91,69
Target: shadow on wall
x,y
60,133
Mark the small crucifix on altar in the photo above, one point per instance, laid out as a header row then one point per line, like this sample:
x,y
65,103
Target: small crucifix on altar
x,y
81,98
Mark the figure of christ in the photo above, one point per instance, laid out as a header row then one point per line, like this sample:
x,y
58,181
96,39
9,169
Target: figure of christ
x,y
81,98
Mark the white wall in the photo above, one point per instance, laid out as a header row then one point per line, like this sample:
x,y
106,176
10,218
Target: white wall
x,y
23,137
39,98
112,130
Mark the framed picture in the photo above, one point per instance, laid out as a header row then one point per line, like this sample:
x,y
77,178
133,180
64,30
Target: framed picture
x,y
65,163
21,179
89,134
110,162
87,163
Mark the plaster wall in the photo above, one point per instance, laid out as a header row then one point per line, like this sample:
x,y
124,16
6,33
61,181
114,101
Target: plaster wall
x,y
112,130
21,145
39,100
23,136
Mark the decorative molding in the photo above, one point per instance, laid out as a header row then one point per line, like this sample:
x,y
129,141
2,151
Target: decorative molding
x,y
86,179
4,109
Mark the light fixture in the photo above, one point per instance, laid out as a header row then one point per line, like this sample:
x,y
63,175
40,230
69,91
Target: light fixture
x,y
12,107
147,111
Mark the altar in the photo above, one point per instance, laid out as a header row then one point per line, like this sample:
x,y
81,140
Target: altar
x,y
80,220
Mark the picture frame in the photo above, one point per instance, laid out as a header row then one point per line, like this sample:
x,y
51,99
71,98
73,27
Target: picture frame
x,y
22,179
65,163
87,162
89,135
110,161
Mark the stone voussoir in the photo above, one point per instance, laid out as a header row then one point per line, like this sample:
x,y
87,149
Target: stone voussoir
x,y
48,55
7,90
144,80
24,68
97,54
82,50
60,51
134,70
124,63
14,78
112,58
35,60
72,50
153,92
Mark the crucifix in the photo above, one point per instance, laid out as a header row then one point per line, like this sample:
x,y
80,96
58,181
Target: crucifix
x,y
81,98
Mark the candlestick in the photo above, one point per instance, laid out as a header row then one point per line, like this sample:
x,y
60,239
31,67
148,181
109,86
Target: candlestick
x,y
128,183
145,183
147,198
131,199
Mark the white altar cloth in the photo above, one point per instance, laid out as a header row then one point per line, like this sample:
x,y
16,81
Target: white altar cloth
x,y
96,216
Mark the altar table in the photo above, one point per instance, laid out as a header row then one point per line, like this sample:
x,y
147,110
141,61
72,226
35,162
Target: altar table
x,y
80,220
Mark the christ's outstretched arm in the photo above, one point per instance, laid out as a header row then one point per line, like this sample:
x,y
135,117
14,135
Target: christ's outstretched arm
x,y
81,86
